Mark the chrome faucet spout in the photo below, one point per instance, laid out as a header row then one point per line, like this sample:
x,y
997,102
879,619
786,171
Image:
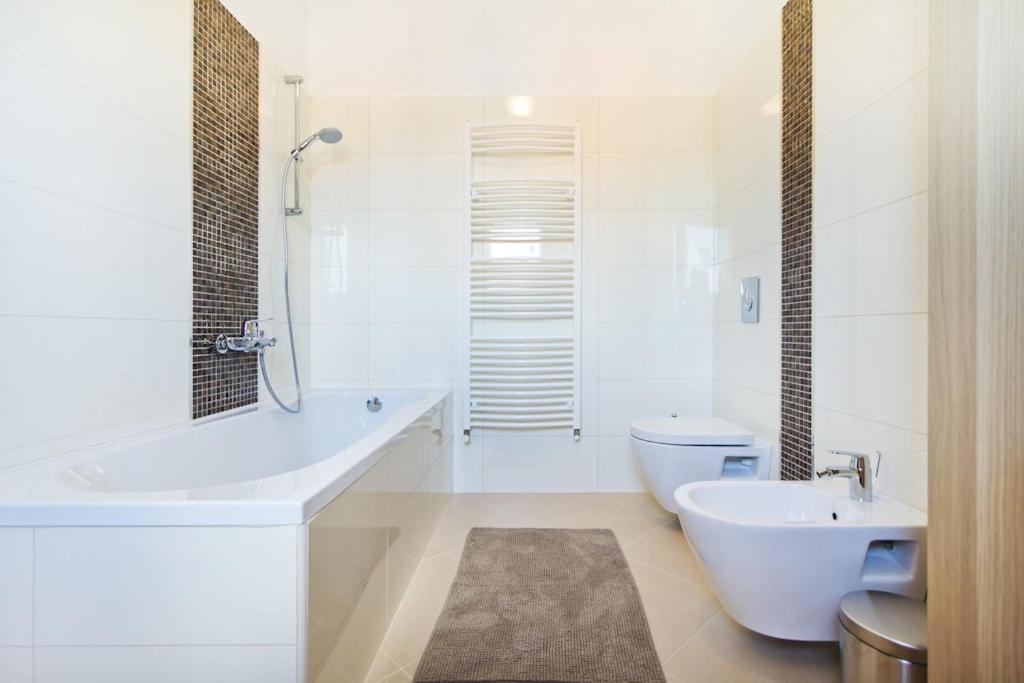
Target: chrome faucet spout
x,y
859,472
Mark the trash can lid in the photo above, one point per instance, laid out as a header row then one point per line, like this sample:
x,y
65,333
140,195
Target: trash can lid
x,y
894,624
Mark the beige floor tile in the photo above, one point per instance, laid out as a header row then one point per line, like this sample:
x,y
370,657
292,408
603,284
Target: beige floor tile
x,y
696,640
400,676
665,548
644,502
419,609
725,651
597,512
500,510
382,667
676,608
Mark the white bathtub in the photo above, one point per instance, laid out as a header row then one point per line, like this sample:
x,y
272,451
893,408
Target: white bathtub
x,y
260,467
260,547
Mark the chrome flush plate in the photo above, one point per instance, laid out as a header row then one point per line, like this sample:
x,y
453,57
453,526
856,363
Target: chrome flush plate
x,y
750,299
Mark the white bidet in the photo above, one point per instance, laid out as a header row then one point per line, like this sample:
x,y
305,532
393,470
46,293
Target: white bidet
x,y
781,555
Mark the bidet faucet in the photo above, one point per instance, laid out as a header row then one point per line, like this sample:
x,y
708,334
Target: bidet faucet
x,y
862,479
252,339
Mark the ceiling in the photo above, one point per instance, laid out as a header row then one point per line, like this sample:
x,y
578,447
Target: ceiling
x,y
535,47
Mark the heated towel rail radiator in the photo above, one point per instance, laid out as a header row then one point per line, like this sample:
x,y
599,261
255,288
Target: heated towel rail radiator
x,y
523,253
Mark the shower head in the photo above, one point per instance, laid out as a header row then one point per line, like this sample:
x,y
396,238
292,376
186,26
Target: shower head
x,y
328,135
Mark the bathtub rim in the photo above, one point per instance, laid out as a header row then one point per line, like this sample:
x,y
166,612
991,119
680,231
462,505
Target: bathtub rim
x,y
288,498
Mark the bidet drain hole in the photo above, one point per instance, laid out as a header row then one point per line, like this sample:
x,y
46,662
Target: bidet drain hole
x,y
835,516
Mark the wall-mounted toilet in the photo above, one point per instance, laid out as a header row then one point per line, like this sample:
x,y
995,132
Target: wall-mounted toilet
x,y
672,451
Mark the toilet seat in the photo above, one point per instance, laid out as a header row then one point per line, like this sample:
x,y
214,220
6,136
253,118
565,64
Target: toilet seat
x,y
672,451
691,431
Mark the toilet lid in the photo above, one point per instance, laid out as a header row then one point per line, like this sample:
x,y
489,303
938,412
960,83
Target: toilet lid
x,y
691,431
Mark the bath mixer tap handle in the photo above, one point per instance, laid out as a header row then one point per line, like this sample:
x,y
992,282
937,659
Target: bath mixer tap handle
x,y
251,328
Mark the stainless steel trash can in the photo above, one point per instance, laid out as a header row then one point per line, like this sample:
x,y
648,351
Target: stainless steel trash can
x,y
883,638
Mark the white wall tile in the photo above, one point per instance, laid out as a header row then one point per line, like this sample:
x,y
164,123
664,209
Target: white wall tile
x,y
258,663
756,80
340,353
166,586
749,354
655,350
875,367
591,237
16,665
414,232
749,408
351,115
875,262
340,294
877,50
748,220
654,294
16,585
751,153
870,237
765,264
339,181
339,238
622,401
271,286
617,469
656,124
421,125
751,219
88,376
539,463
414,352
420,181
877,157
416,295
148,179
172,20
830,18
655,237
904,471
416,238
676,180
50,242
72,39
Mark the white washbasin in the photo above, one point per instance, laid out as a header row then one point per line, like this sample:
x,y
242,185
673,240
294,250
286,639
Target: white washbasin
x,y
781,555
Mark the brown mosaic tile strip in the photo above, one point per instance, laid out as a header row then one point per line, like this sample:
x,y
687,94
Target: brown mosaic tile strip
x,y
797,172
225,205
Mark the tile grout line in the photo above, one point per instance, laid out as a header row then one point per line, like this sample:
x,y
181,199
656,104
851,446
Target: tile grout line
x,y
850,119
878,207
694,635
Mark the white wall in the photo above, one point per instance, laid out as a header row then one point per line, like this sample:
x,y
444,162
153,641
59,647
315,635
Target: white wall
x,y
95,250
95,183
870,236
387,252
748,220
382,48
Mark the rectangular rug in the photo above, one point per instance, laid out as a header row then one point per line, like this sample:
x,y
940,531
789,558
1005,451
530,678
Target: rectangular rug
x,y
555,605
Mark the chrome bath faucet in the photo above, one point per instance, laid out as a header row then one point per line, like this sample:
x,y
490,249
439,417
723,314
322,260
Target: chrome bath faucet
x,y
252,339
859,472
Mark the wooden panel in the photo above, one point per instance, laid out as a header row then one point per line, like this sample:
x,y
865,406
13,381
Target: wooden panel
x,y
976,359
1000,343
951,353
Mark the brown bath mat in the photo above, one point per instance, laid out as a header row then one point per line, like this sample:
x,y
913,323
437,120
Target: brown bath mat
x,y
541,605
